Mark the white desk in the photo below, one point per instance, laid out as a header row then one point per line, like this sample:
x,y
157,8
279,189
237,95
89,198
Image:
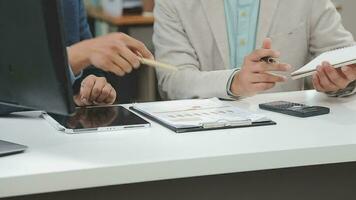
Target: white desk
x,y
59,162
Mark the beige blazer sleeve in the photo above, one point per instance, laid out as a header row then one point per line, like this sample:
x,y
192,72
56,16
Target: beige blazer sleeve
x,y
173,46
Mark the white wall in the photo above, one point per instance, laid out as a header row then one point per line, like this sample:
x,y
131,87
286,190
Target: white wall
x,y
349,15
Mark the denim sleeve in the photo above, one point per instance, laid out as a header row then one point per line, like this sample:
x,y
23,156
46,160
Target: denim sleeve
x,y
83,23
74,77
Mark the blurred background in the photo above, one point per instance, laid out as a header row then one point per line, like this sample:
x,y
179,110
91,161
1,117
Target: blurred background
x,y
135,18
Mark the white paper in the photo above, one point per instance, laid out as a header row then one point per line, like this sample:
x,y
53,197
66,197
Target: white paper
x,y
197,113
336,58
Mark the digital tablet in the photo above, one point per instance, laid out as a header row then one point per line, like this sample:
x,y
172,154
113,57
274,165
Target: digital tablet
x,y
97,119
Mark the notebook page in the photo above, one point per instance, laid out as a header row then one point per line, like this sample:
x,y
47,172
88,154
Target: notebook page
x,y
334,57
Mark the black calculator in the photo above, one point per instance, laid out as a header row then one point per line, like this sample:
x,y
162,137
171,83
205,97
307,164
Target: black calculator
x,y
295,109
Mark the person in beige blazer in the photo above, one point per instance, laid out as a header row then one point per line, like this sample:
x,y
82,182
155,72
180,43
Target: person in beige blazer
x,y
192,35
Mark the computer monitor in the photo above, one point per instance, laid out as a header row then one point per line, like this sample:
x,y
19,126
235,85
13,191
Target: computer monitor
x,y
34,69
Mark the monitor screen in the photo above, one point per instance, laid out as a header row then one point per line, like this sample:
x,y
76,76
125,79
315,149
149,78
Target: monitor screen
x,y
33,62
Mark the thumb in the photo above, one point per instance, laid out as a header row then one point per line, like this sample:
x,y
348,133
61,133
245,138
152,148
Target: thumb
x,y
149,56
267,43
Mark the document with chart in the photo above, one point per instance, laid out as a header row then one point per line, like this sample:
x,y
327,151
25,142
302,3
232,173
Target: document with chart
x,y
200,114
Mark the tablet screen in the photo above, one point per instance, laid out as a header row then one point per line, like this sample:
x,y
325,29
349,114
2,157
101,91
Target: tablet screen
x,y
7,148
99,117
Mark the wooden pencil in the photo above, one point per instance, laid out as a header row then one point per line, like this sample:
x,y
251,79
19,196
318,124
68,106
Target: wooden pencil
x,y
153,63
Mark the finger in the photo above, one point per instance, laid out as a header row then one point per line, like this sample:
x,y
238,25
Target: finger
x,y
111,98
107,64
336,78
264,67
349,72
77,101
267,78
267,43
114,69
324,81
86,88
121,63
259,87
97,88
261,53
128,55
316,83
105,92
136,45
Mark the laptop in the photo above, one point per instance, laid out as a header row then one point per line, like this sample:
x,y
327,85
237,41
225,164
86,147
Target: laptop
x,y
8,148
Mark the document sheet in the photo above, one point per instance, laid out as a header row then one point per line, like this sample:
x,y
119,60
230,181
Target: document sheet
x,y
206,113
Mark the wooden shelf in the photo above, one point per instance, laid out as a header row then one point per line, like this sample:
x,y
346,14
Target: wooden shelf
x,y
127,20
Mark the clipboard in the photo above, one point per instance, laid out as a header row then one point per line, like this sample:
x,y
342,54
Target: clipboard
x,y
193,115
202,128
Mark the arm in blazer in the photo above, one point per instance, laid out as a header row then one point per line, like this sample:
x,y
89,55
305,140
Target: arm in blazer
x,y
174,45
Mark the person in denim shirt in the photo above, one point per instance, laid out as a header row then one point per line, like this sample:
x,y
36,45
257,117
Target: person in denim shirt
x,y
91,58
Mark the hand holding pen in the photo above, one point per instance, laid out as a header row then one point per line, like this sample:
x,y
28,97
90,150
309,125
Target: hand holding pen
x,y
256,74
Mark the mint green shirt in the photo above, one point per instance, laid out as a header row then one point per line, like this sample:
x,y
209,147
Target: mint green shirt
x,y
242,22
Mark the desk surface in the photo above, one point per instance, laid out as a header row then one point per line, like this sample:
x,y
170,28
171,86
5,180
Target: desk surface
x,y
129,20
58,162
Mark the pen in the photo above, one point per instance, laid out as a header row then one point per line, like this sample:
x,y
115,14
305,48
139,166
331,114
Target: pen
x,y
269,60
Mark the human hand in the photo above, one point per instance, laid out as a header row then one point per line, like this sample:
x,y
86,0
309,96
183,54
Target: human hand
x,y
117,53
95,91
329,79
254,76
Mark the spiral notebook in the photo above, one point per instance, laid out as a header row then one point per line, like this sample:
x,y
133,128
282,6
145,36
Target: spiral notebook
x,y
337,58
200,115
